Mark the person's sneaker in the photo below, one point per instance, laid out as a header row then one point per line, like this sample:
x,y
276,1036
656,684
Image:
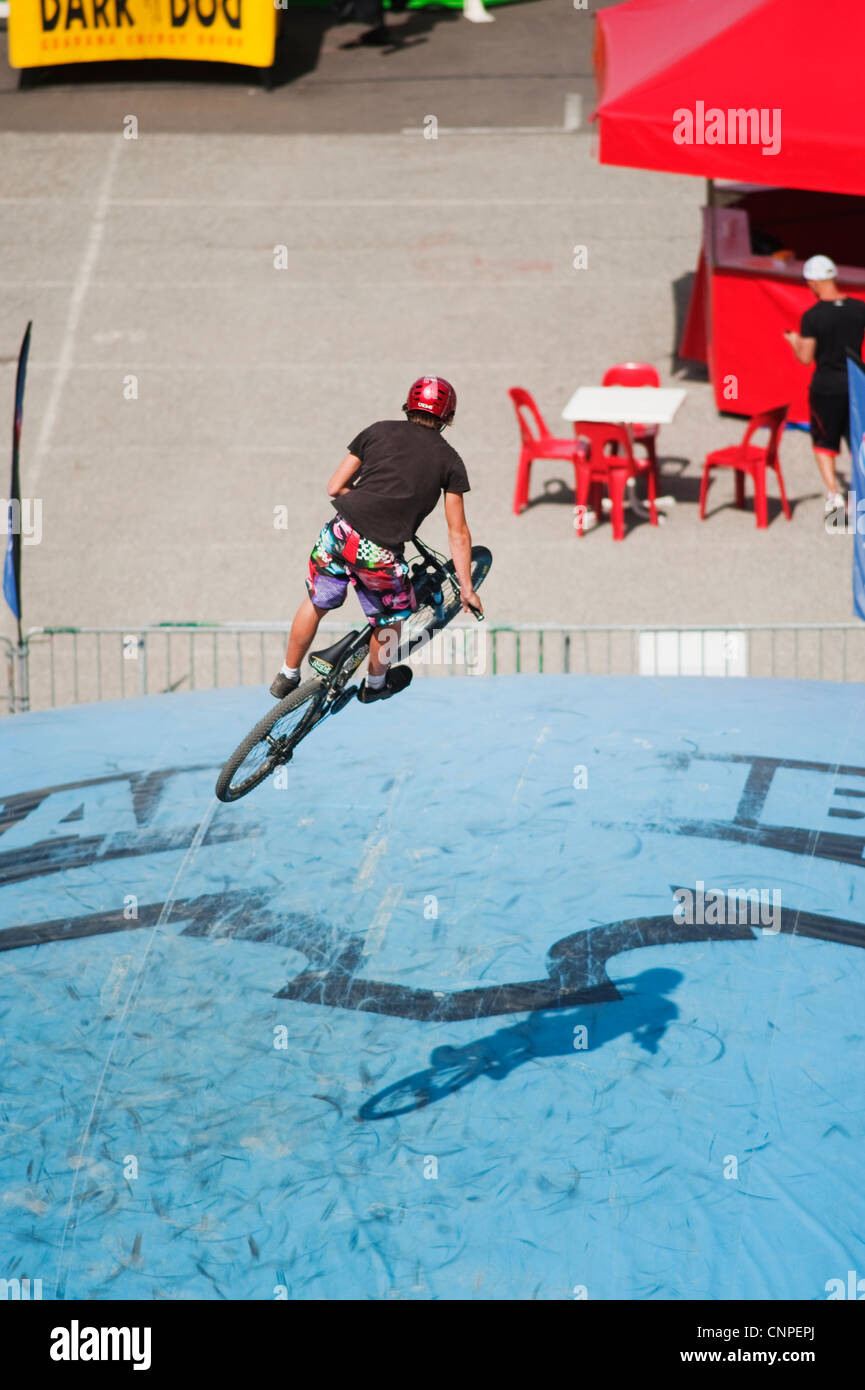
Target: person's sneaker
x,y
834,505
397,678
283,685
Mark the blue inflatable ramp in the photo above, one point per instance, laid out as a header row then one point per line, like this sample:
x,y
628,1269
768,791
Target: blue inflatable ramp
x,y
526,987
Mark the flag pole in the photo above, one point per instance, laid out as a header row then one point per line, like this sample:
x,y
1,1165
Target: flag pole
x,y
12,564
856,388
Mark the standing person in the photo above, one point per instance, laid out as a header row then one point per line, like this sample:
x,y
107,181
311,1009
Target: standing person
x,y
391,479
830,326
364,12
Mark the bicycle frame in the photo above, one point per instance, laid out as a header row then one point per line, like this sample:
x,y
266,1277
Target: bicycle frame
x,y
347,664
334,683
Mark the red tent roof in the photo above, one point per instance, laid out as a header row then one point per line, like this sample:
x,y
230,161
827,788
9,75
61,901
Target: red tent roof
x,y
658,59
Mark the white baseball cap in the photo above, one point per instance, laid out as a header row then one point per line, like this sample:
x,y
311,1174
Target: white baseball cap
x,y
819,268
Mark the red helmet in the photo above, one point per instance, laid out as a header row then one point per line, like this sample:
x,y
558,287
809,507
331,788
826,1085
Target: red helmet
x,y
433,394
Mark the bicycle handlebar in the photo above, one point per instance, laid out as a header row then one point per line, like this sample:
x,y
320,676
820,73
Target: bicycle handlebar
x,y
432,559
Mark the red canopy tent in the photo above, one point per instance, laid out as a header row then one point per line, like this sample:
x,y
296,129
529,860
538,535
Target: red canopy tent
x,y
766,92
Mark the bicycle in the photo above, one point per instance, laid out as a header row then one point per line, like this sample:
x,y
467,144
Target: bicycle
x,y
273,740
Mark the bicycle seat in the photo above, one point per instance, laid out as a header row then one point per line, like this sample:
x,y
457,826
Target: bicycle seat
x,y
324,661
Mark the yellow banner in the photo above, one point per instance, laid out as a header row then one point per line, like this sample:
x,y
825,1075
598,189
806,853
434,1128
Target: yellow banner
x,y
42,32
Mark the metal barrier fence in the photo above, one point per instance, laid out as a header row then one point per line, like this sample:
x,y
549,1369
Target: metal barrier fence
x,y
66,665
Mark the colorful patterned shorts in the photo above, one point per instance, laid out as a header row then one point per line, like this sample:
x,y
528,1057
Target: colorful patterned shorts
x,y
341,556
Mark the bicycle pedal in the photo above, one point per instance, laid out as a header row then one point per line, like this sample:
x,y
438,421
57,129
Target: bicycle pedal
x,y
344,698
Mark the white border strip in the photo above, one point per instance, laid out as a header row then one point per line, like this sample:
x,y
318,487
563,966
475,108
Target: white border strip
x,y
76,303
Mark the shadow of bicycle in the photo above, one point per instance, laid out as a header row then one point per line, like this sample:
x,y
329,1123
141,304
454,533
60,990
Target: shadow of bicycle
x,y
644,1013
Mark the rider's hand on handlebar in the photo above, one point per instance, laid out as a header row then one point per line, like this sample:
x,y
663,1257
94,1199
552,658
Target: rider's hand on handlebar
x,y
470,601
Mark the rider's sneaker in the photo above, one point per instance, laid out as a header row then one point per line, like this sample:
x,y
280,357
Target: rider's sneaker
x,y
397,678
283,685
835,505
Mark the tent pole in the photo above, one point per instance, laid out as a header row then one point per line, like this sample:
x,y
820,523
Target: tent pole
x,y
710,202
710,271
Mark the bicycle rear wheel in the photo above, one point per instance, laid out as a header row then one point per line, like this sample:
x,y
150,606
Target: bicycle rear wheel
x,y
417,629
270,743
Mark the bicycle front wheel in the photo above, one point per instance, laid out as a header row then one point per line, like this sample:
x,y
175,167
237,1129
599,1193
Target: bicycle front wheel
x,y
428,617
270,743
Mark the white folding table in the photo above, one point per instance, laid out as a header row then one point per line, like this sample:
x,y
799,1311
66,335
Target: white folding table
x,y
625,405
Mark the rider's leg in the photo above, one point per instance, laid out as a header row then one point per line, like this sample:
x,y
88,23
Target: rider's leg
x,y
383,678
385,591
303,630
326,585
382,649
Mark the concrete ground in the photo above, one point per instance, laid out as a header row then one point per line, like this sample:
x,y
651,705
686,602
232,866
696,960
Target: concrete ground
x,y
147,267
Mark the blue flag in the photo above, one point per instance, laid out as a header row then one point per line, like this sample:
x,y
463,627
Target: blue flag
x,y
12,563
856,383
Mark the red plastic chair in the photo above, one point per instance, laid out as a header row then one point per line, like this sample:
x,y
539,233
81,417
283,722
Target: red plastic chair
x,y
637,374
749,458
538,445
612,469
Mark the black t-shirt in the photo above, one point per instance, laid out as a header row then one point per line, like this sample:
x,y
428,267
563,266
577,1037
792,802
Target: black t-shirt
x,y
404,469
836,324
